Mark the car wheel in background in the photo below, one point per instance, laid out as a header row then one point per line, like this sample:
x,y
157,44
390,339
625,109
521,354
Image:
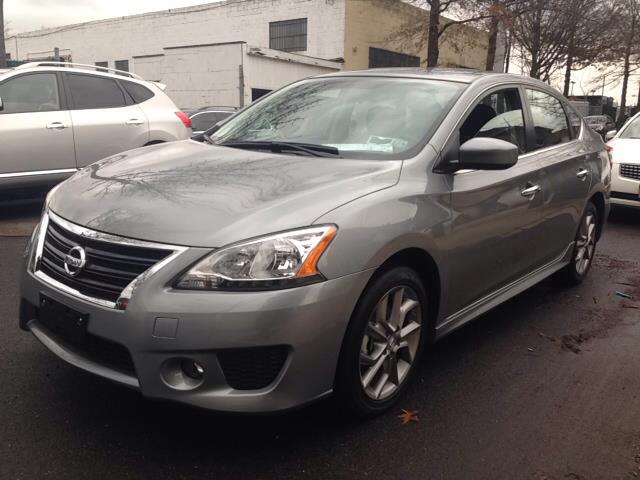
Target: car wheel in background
x,y
584,250
383,343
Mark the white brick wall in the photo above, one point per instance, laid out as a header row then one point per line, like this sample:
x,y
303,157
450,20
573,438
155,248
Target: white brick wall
x,y
230,21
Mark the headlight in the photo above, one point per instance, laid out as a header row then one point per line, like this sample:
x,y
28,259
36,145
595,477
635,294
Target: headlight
x,y
278,261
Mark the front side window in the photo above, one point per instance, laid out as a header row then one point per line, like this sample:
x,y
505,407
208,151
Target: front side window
x,y
37,92
549,120
94,92
288,35
363,117
498,115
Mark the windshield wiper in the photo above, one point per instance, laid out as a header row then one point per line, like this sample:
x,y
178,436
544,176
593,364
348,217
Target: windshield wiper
x,y
278,147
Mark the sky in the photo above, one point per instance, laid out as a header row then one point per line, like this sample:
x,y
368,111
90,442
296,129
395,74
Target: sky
x,y
26,15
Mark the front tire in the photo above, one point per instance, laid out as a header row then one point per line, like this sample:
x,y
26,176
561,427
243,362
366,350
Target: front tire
x,y
584,249
383,343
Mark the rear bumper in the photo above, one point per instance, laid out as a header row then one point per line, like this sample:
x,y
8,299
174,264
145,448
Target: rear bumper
x,y
309,321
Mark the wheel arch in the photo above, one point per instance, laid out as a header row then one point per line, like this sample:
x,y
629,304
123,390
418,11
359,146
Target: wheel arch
x,y
599,201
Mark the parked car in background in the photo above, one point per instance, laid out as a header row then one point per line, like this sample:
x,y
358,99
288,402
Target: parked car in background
x,y
600,124
204,118
318,240
58,117
624,148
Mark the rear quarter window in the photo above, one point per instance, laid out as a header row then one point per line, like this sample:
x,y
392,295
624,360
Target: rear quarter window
x,y
137,92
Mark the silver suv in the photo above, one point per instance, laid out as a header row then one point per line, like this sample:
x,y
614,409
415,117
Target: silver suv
x,y
317,241
58,117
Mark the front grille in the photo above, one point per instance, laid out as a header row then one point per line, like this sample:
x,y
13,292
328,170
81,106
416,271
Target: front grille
x,y
109,267
252,368
103,352
630,170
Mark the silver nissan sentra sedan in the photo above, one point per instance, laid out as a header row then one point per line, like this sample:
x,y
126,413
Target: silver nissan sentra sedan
x,y
318,241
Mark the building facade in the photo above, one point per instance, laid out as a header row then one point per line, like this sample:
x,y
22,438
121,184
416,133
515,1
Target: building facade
x,y
330,34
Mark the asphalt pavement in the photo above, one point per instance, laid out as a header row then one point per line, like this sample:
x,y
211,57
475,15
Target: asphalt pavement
x,y
545,386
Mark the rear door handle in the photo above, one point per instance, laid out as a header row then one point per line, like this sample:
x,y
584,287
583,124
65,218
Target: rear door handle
x,y
134,121
56,126
582,173
531,191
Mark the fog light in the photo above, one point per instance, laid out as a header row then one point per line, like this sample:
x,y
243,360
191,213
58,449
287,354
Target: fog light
x,y
192,369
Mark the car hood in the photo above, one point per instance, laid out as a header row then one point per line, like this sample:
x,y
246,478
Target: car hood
x,y
189,193
625,150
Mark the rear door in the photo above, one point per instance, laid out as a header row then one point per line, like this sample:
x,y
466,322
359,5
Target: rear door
x,y
35,127
105,119
497,215
565,161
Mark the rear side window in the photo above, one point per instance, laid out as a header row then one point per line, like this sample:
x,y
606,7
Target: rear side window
x,y
94,92
549,120
138,93
30,93
204,121
498,115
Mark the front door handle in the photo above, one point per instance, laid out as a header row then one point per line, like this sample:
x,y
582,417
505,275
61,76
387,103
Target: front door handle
x,y
56,126
134,121
582,174
531,190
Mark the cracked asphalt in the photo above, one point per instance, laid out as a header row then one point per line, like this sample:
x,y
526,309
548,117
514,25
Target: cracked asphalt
x,y
546,386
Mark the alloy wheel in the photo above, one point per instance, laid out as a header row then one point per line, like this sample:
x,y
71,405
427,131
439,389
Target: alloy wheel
x,y
390,342
585,244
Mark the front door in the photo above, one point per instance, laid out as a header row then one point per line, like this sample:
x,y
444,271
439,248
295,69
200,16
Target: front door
x,y
496,226
105,121
35,129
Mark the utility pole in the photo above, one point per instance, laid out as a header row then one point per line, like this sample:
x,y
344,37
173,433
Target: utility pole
x,y
3,53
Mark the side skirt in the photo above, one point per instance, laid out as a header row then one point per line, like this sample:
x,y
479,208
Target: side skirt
x,y
460,318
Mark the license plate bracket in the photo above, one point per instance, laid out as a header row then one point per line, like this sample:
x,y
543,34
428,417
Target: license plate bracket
x,y
64,321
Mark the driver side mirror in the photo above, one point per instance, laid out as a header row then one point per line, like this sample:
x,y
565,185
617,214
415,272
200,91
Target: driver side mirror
x,y
481,153
609,135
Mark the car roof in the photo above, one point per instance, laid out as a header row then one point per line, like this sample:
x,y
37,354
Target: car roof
x,y
460,75
85,69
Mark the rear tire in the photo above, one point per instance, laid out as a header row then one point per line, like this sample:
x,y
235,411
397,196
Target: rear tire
x,y
384,342
584,249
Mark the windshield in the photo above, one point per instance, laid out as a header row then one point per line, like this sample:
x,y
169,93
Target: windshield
x,y
632,130
363,117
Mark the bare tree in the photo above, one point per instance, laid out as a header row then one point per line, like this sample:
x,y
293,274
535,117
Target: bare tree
x,y
3,53
629,28
541,35
592,35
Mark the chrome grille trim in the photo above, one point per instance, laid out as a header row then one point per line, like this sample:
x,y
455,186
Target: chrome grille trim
x,y
630,170
89,234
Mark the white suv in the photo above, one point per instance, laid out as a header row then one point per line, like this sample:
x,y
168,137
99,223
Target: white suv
x,y
58,117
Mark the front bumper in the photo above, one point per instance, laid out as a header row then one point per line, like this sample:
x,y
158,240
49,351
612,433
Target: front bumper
x,y
624,191
309,321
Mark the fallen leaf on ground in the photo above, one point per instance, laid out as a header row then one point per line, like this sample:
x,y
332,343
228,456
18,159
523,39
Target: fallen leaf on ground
x,y
408,416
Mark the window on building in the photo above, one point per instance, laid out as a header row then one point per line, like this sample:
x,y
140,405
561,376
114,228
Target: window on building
x,y
122,65
88,91
30,93
549,120
379,58
104,65
288,35
138,93
499,115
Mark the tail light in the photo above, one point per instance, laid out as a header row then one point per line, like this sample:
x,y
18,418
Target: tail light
x,y
184,118
609,150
